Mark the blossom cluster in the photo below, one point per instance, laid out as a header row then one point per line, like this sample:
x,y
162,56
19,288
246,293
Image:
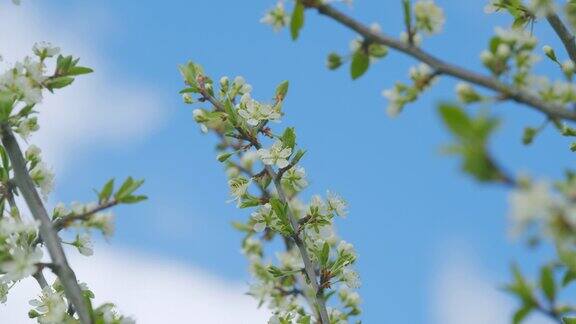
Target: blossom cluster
x,y
22,86
298,282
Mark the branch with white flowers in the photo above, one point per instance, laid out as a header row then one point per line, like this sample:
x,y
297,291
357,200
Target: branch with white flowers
x,y
309,267
49,235
442,67
538,212
315,260
66,300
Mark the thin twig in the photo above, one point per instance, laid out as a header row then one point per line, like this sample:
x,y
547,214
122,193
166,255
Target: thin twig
x,y
63,222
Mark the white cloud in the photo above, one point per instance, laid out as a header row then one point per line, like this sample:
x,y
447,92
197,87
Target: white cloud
x,y
151,289
463,292
102,109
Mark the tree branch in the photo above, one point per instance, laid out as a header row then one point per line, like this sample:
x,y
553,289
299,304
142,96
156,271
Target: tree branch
x,y
64,221
309,267
47,232
564,34
61,223
308,264
550,109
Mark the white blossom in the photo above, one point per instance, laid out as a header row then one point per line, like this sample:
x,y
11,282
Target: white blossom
x,y
248,159
104,221
429,17
43,178
518,37
568,67
253,111
261,217
33,153
530,203
351,278
336,204
277,155
466,93
27,126
492,6
290,259
83,243
421,74
395,101
541,8
51,305
45,49
345,247
21,264
349,298
296,178
277,17
238,187
416,38
239,85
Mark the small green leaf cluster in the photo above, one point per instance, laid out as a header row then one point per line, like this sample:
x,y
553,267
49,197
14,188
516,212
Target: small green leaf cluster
x,y
471,135
22,85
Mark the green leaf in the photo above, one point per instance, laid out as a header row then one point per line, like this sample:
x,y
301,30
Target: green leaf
x,y
298,156
289,137
224,157
529,134
127,188
567,130
63,64
547,283
133,199
407,14
250,202
275,271
569,276
192,89
6,105
325,254
567,256
360,64
79,70
520,287
521,314
377,50
456,120
106,191
334,61
59,82
230,112
281,90
569,320
297,20
242,227
278,207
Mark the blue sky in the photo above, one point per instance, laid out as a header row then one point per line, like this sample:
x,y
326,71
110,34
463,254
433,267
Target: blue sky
x,y
410,208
